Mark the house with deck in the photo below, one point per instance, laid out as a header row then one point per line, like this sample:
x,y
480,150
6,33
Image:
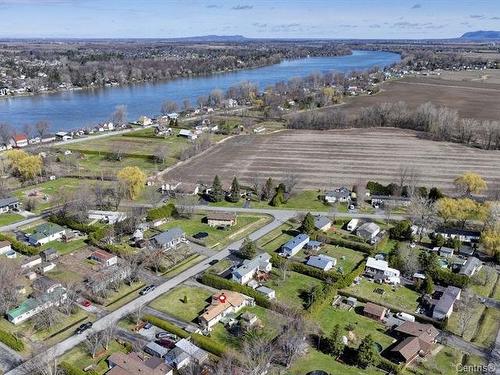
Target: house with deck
x,y
221,219
379,270
293,246
250,268
223,303
45,233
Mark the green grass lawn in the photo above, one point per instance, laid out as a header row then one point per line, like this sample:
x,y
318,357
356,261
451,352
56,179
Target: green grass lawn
x,y
402,298
269,328
80,357
220,267
273,240
483,282
63,329
124,294
453,322
183,265
65,276
315,360
291,290
330,316
10,218
488,328
443,363
218,237
303,200
385,246
172,302
65,247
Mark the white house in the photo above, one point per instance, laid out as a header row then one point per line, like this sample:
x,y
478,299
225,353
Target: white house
x,y
9,204
170,238
187,134
352,225
144,121
45,233
341,194
368,231
5,247
380,270
323,262
246,272
19,140
296,244
322,223
110,217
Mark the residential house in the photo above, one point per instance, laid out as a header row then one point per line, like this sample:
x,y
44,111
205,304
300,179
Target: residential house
x,y
169,238
341,194
34,141
109,217
45,233
268,292
186,188
466,251
443,308
293,246
187,134
322,223
173,116
99,281
230,103
472,264
43,285
221,219
5,247
63,136
246,272
19,140
323,262
368,231
196,354
417,340
374,311
155,350
177,358
144,121
469,236
31,262
314,245
379,201
134,364
32,306
379,270
49,254
352,225
223,303
163,130
9,204
46,267
104,258
446,252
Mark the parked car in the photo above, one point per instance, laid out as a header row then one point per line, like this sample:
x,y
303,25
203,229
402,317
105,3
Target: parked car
x,y
166,343
214,261
147,325
166,335
83,327
86,303
147,290
405,316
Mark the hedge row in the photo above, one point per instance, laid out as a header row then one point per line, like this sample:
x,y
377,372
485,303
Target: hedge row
x,y
73,224
305,269
359,246
446,277
167,210
203,342
218,282
19,246
11,341
390,367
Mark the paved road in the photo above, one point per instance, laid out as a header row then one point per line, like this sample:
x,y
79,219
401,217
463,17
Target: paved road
x,y
459,343
113,317
12,227
9,358
167,317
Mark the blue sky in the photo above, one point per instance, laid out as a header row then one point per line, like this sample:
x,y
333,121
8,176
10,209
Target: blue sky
x,y
251,18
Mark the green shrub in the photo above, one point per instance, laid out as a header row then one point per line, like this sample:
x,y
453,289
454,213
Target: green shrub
x,y
442,276
11,341
355,245
166,325
390,367
162,212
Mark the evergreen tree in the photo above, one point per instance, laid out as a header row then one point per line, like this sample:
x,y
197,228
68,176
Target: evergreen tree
x,y
335,343
366,354
234,195
267,189
279,197
435,194
428,285
248,249
308,224
217,194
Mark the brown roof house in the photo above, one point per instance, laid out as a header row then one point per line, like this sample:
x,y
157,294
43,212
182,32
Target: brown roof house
x,y
133,364
374,311
223,303
417,341
221,219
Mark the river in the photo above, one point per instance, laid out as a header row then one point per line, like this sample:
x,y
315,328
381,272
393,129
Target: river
x,y
76,109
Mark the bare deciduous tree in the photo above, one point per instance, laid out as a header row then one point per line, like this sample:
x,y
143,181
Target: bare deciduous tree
x,y
186,205
9,275
46,318
464,305
42,127
422,213
120,114
93,342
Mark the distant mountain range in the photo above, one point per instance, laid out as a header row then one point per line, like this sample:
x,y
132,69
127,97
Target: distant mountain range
x,y
481,35
210,38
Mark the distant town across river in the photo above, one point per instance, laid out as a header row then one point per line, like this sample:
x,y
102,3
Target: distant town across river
x,y
85,108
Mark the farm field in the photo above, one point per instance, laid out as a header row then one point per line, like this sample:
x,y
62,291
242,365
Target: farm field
x,y
472,99
321,159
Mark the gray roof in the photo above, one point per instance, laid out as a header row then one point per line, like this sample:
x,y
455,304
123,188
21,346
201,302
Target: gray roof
x,y
251,265
294,242
321,221
470,266
447,250
168,236
447,300
264,290
49,251
341,192
369,228
8,201
156,348
320,261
